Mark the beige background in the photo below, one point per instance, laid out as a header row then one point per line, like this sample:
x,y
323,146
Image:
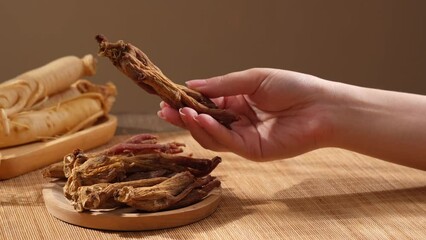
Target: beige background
x,y
375,43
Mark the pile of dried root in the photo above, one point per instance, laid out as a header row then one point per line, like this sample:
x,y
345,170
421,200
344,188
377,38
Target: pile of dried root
x,y
139,172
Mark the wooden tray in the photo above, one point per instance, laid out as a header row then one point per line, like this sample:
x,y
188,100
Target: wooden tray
x,y
126,219
16,161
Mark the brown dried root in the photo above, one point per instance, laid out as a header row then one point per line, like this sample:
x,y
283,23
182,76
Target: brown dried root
x,y
138,144
197,194
136,65
116,168
55,170
147,178
101,195
164,195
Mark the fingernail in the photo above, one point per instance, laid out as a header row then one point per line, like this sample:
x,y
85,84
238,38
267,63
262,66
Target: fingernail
x,y
183,116
196,83
196,119
160,114
162,104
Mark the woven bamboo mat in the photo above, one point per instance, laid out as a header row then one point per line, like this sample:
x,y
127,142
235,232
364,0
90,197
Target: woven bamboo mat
x,y
325,194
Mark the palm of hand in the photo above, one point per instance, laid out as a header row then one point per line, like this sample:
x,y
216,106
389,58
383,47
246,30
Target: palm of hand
x,y
281,119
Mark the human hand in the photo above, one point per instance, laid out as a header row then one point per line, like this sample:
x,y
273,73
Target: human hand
x,y
282,113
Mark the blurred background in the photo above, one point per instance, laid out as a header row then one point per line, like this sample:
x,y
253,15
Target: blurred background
x,y
372,43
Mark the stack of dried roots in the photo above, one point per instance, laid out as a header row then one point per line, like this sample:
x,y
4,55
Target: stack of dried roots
x,y
139,172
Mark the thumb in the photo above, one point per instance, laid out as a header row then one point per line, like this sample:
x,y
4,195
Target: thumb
x,y
243,82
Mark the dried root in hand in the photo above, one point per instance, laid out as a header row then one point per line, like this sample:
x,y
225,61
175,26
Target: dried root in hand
x,y
136,65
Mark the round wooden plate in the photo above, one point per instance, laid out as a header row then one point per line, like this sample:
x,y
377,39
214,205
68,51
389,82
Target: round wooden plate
x,y
126,219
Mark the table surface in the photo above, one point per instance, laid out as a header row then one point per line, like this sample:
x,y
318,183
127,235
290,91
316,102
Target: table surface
x,y
325,194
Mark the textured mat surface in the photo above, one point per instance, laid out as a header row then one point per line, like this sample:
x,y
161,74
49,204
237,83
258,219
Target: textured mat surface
x,y
325,194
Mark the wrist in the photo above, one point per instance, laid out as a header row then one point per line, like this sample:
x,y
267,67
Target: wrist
x,y
351,112
382,124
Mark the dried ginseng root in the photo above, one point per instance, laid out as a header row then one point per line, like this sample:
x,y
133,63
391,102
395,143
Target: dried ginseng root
x,y
55,170
101,195
138,172
207,184
110,169
136,65
153,194
164,195
138,144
